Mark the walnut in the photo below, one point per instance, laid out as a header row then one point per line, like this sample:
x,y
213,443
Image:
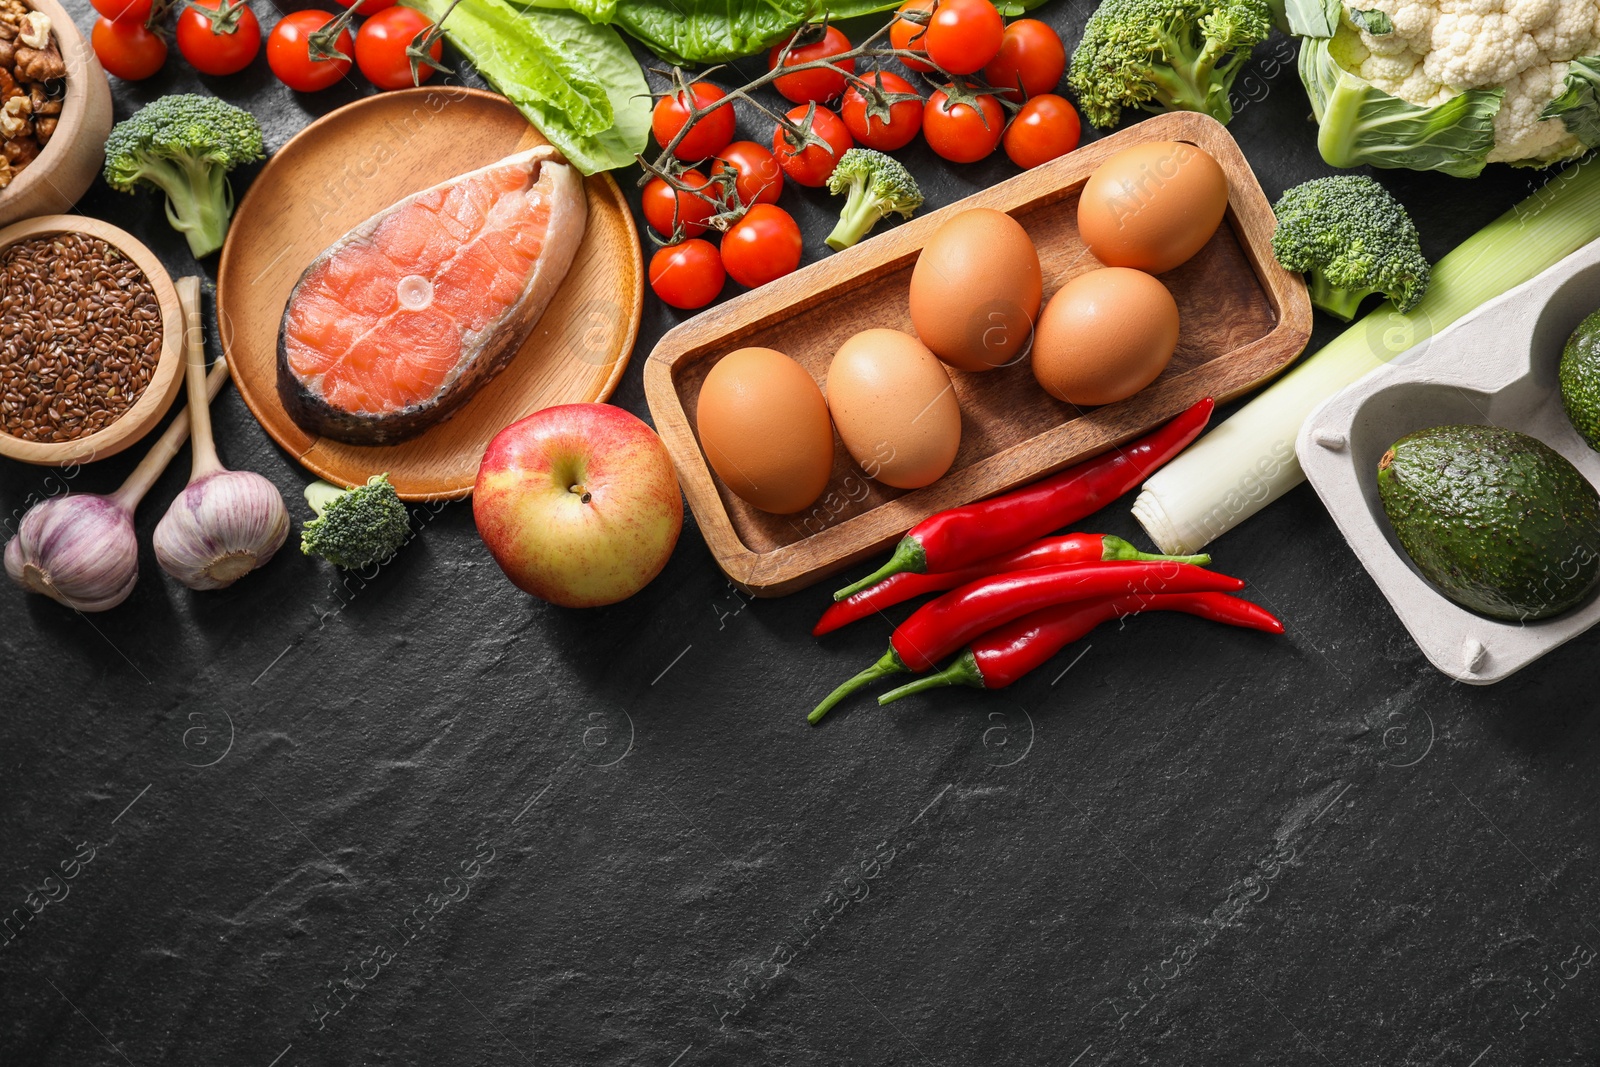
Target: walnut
x,y
37,66
43,103
20,151
14,117
8,86
35,30
44,127
6,173
8,54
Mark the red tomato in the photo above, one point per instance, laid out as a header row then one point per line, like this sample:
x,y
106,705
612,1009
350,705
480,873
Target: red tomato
x,y
910,36
964,35
962,133
1030,53
122,10
1046,127
710,135
812,164
369,7
666,208
688,274
819,85
762,246
381,45
905,116
757,177
218,36
289,52
127,49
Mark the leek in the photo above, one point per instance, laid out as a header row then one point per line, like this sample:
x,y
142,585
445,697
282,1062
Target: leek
x,y
1248,462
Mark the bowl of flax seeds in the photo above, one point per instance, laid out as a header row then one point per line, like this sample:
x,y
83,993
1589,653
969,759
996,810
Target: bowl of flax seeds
x,y
91,332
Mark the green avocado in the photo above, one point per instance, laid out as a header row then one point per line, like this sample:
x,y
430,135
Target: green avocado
x,y
1580,379
1500,522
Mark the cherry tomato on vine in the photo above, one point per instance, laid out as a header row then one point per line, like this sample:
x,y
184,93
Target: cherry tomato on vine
x,y
687,275
1030,53
122,10
289,52
127,49
762,246
666,207
911,36
964,35
905,116
963,133
369,7
710,135
1046,127
757,177
381,45
812,164
819,85
218,36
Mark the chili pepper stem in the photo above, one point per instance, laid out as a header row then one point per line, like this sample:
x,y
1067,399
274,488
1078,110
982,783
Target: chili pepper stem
x,y
1114,547
889,664
963,670
908,556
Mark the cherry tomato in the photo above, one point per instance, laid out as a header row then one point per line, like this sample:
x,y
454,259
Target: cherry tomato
x,y
710,135
757,177
962,133
289,52
964,35
910,36
369,7
1030,53
381,45
127,49
819,85
762,246
122,10
812,164
905,116
687,275
217,37
1046,127
665,206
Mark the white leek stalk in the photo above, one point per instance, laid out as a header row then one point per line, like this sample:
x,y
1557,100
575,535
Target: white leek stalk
x,y
1248,461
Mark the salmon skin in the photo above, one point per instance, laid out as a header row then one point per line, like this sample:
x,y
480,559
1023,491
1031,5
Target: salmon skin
x,y
395,326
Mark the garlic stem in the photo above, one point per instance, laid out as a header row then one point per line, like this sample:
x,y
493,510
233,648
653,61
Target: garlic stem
x,y
204,445
167,445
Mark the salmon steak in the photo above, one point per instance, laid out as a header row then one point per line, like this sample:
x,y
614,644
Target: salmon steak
x,y
400,321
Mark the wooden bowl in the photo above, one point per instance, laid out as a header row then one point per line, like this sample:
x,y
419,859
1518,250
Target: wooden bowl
x,y
67,165
157,397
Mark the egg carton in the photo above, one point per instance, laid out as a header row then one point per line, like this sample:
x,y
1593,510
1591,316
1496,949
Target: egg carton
x,y
1496,366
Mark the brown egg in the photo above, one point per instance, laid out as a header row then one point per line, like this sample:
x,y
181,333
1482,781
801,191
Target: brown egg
x,y
765,429
1104,336
1152,206
894,408
975,290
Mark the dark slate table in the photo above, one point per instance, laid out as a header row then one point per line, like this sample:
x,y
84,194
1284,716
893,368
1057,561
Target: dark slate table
x,y
421,818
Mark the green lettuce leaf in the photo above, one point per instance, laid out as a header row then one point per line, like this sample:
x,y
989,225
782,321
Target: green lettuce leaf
x,y
1578,105
1360,124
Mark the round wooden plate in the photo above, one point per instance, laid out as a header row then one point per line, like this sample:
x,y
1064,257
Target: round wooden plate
x,y
349,165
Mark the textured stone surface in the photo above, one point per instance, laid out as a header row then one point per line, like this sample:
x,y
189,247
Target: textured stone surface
x,y
617,841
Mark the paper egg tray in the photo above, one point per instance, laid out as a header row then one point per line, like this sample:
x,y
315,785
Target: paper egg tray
x,y
1495,366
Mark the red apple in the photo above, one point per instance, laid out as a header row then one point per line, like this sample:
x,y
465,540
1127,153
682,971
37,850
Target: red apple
x,y
578,504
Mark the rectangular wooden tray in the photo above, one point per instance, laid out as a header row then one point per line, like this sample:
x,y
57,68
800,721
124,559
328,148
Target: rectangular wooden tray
x,y
1243,319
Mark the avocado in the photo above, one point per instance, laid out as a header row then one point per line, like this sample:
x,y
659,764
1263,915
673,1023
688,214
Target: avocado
x,y
1499,521
1579,375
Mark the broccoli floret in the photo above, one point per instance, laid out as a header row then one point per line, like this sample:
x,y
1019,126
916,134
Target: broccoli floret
x,y
355,527
1351,239
185,145
878,185
1165,55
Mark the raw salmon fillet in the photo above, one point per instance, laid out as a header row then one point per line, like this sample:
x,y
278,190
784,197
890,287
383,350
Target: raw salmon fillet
x,y
402,319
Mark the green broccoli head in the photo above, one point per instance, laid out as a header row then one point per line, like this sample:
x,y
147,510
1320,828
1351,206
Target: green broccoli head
x,y
1351,239
1165,55
877,185
355,527
184,146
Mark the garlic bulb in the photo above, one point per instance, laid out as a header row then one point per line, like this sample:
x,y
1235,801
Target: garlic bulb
x,y
225,523
80,549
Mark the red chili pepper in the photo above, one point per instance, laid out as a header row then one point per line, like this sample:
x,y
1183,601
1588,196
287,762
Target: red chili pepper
x,y
1001,656
961,536
1070,548
943,625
